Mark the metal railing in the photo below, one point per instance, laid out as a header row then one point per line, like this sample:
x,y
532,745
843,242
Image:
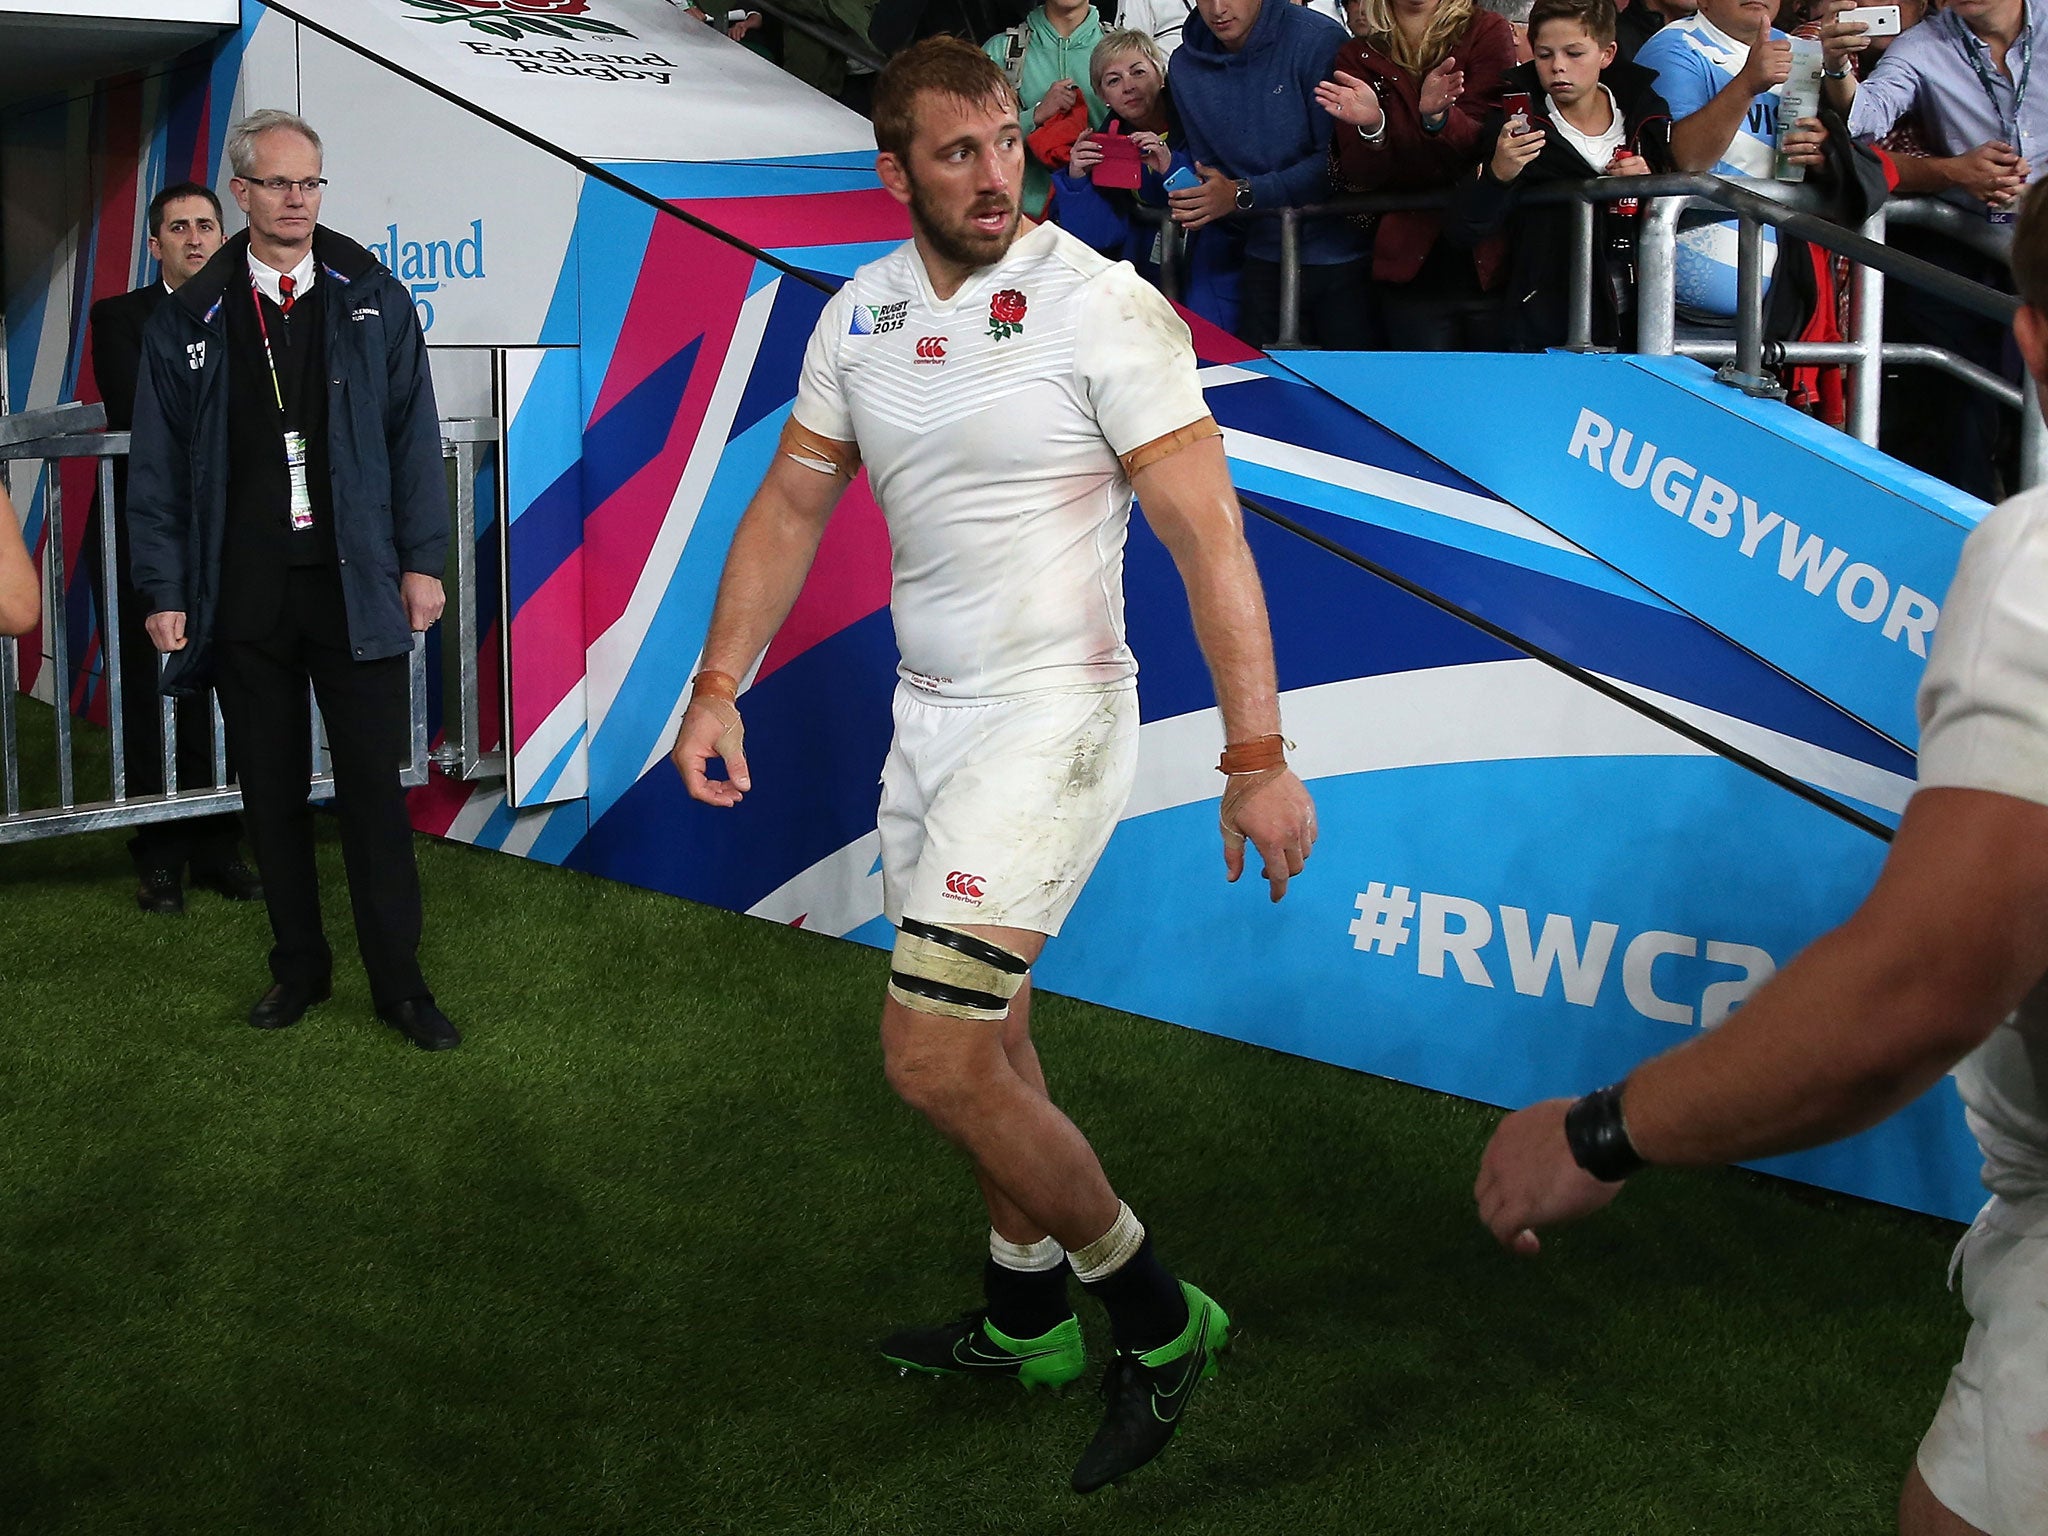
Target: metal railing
x,y
1788,207
65,433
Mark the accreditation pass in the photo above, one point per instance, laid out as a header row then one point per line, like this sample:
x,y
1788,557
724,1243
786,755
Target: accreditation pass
x,y
295,465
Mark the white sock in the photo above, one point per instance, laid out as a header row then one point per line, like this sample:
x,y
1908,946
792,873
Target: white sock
x,y
1025,1258
1111,1251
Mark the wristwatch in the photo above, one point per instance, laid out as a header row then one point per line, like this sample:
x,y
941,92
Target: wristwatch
x,y
1244,196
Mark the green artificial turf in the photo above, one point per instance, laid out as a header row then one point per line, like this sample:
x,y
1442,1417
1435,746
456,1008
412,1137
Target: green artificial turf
x,y
615,1265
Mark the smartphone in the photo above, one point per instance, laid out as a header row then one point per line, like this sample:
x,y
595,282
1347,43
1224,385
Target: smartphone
x,y
1881,20
1517,104
1182,179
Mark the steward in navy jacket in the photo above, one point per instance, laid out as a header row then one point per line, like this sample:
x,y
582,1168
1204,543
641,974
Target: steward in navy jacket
x,y
1538,288
383,445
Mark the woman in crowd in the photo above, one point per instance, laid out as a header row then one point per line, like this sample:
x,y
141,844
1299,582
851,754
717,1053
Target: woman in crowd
x,y
1415,91
1589,115
21,593
1046,57
1128,71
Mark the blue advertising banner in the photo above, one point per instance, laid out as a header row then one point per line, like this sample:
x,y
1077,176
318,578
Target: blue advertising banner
x,y
1820,555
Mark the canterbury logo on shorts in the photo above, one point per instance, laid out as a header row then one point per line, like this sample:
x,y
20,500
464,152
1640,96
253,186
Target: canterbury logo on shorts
x,y
964,887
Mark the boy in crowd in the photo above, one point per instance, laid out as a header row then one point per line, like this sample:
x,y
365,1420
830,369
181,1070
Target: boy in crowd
x,y
1588,115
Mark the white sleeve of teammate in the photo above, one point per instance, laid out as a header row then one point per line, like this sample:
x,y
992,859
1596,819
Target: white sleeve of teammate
x,y
1136,362
1984,698
820,397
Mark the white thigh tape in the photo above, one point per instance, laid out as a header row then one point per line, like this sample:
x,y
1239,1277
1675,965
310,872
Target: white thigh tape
x,y
954,975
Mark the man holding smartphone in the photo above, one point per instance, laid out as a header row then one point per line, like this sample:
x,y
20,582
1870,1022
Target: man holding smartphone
x,y
1963,74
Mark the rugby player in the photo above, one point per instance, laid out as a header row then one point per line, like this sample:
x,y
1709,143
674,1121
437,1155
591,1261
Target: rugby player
x,y
1007,388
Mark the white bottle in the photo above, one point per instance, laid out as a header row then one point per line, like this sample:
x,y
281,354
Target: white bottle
x,y
1798,97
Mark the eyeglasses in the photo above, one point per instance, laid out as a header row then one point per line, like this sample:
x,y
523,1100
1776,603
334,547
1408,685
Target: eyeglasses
x,y
281,185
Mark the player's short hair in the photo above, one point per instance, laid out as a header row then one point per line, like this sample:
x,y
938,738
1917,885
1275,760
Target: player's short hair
x,y
937,66
172,194
243,136
2030,249
1596,16
1115,45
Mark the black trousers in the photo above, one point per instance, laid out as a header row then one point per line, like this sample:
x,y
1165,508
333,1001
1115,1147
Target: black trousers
x,y
1934,422
197,840
1431,322
1337,312
262,686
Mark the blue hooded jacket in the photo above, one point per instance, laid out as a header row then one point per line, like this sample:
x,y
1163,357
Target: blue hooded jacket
x,y
1253,115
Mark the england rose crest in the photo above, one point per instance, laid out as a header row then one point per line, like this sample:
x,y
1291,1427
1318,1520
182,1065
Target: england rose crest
x,y
514,19
1006,314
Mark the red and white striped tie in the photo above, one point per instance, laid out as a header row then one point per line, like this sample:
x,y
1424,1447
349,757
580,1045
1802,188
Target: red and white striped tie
x,y
284,294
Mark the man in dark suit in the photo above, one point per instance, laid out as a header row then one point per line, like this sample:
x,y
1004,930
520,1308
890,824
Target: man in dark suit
x,y
289,511
184,232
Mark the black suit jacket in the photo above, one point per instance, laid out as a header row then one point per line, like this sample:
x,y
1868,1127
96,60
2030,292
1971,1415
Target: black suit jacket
x,y
116,337
117,349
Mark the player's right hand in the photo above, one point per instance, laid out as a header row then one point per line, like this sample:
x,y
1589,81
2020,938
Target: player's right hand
x,y
1279,819
706,733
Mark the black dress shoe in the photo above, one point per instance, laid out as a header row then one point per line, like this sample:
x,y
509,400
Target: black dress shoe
x,y
161,892
423,1023
229,876
282,1006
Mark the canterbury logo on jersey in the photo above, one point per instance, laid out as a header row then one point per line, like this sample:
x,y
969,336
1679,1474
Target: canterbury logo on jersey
x,y
931,349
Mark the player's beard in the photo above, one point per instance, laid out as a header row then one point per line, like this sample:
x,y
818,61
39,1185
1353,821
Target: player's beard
x,y
959,241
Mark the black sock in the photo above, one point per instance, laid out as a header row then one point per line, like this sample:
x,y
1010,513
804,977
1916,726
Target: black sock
x,y
1026,1303
1146,1307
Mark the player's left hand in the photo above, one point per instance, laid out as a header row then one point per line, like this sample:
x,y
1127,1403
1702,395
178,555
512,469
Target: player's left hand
x,y
1529,1179
708,732
1279,819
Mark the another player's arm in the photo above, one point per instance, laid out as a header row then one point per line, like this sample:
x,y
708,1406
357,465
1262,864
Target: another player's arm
x,y
21,587
1868,1017
1183,485
1951,938
771,554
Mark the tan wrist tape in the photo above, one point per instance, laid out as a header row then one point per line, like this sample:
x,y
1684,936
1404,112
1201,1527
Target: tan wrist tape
x,y
1256,756
715,685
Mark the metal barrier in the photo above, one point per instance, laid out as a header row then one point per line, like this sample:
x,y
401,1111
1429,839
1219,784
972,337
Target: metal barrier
x,y
1792,208
70,432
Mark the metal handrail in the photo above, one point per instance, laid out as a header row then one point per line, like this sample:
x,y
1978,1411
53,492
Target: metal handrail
x,y
857,50
71,432
1791,207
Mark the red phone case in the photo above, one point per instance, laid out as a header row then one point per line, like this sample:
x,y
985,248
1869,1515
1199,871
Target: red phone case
x,y
1121,164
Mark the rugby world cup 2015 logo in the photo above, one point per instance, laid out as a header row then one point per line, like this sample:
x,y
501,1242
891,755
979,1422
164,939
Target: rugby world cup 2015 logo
x,y
1006,314
515,19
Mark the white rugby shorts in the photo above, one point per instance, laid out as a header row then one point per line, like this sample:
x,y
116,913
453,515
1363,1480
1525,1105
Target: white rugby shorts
x,y
1986,1454
996,812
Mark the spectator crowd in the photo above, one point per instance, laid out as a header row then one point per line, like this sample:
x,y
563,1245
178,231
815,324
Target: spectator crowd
x,y
1174,132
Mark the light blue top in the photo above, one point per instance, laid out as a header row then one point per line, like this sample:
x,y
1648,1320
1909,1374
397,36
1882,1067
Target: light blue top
x,y
1928,71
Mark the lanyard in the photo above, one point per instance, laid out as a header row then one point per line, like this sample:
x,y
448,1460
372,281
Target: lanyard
x,y
263,326
1985,78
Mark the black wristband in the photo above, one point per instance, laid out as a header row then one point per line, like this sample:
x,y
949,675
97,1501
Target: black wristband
x,y
1598,1137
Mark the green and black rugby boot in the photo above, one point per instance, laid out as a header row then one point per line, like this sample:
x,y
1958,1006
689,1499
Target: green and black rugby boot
x,y
1144,1395
970,1346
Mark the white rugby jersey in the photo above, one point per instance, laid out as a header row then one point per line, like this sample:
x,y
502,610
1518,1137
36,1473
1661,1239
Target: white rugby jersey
x,y
991,425
1984,725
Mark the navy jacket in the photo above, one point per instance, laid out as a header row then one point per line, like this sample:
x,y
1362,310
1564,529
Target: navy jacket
x,y
383,440
1253,115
